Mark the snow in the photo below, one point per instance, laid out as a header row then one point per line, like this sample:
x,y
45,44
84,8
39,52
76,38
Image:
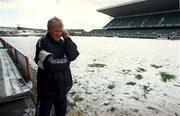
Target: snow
x,y
11,76
119,55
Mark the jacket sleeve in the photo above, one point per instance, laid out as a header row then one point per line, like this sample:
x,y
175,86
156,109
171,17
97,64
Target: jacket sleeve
x,y
38,49
48,61
71,51
54,64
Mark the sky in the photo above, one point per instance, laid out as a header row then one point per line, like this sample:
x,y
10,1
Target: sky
x,y
76,14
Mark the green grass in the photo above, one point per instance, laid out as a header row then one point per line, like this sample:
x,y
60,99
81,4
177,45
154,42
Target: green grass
x,y
72,104
90,71
77,98
152,108
136,98
140,69
166,76
98,65
138,76
75,81
177,85
131,83
125,71
112,109
156,66
111,86
146,89
88,92
72,93
106,104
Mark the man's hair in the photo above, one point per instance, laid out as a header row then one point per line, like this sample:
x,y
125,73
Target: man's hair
x,y
54,20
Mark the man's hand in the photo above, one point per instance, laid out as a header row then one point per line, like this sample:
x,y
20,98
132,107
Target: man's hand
x,y
65,34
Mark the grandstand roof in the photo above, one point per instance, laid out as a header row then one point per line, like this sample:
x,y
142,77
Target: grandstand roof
x,y
140,7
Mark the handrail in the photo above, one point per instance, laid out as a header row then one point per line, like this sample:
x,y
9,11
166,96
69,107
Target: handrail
x,y
17,56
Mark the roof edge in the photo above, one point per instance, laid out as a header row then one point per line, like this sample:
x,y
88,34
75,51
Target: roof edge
x,y
120,4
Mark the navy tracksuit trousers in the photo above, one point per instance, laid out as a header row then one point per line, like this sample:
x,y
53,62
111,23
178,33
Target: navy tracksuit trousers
x,y
60,105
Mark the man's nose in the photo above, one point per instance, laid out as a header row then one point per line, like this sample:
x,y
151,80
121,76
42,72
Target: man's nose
x,y
58,33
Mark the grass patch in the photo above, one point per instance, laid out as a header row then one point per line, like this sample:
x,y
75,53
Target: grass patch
x,y
77,98
106,104
90,70
88,92
125,71
138,76
166,76
140,69
97,65
156,66
152,108
146,89
111,86
72,93
177,85
112,109
72,104
131,83
75,81
136,98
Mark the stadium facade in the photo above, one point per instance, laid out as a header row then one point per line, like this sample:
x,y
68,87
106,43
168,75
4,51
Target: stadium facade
x,y
142,19
25,31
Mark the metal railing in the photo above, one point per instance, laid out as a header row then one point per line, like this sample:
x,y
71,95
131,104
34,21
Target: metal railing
x,y
21,61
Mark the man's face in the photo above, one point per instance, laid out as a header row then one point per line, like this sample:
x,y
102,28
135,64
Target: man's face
x,y
55,31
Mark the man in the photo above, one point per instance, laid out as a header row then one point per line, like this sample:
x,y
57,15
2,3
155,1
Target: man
x,y
53,57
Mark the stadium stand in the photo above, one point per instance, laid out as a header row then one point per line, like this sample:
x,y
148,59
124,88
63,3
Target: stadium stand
x,y
142,19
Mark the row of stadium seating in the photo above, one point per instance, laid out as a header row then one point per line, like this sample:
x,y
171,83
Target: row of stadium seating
x,y
153,20
139,33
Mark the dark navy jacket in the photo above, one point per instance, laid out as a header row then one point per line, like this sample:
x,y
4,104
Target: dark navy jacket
x,y
55,79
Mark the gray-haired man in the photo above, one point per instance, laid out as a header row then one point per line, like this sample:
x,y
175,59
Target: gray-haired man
x,y
53,57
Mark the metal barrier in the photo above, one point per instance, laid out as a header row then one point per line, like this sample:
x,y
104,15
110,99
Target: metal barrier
x,y
21,61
